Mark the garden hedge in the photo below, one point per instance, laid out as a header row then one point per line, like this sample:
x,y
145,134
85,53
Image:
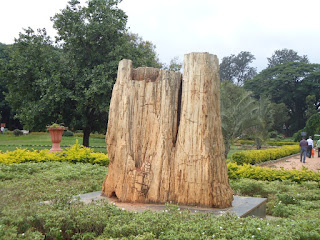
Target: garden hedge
x,y
73,154
236,171
259,156
78,153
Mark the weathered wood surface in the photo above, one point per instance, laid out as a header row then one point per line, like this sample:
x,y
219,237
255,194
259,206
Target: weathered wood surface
x,y
164,135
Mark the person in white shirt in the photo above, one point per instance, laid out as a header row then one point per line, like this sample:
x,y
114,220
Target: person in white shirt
x,y
310,146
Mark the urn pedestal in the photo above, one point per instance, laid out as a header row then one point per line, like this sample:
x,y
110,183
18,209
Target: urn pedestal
x,y
56,136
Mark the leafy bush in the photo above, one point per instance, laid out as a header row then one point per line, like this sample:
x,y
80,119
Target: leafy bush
x,y
276,135
74,154
17,132
67,133
259,156
312,127
236,171
276,143
94,135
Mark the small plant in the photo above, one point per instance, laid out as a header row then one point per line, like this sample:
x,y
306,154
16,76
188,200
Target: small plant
x,y
67,133
17,132
56,125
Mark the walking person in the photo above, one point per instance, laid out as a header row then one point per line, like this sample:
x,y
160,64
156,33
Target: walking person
x,y
2,129
303,149
310,146
318,145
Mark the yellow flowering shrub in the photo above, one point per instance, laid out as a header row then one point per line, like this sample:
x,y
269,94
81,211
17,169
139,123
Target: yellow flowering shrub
x,y
236,171
74,154
259,156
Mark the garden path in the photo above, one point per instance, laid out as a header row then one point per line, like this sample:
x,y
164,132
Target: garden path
x,y
293,162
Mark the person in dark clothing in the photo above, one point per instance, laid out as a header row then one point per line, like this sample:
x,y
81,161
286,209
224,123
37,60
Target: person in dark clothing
x,y
303,150
318,145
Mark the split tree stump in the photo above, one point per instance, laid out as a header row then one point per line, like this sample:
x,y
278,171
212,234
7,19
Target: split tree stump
x,y
164,135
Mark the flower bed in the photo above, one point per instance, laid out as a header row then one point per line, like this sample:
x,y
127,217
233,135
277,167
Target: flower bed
x,y
75,153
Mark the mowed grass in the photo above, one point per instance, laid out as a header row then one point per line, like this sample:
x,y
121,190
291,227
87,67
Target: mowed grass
x,y
11,142
234,149
40,141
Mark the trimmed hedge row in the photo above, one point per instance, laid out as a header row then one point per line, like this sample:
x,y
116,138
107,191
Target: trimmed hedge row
x,y
270,143
75,153
259,156
236,171
78,153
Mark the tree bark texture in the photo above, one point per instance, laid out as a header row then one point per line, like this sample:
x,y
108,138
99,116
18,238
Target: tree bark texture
x,y
164,135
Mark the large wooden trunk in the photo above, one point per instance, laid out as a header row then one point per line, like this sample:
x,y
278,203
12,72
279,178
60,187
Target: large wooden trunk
x,y
164,135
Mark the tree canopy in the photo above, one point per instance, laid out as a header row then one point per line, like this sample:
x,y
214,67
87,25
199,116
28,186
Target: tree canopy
x,y
36,78
289,83
236,68
71,82
285,56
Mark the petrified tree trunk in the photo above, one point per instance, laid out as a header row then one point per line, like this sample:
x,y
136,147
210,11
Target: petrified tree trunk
x,y
164,135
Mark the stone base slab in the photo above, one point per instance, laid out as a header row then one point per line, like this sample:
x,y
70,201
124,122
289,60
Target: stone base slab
x,y
241,206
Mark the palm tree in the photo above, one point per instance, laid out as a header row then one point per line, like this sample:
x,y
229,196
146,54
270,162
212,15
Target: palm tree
x,y
264,121
238,112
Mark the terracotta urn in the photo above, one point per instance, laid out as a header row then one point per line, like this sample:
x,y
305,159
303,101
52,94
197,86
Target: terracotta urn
x,y
56,136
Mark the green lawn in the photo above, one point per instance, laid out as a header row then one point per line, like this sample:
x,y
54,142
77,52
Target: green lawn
x,y
11,142
39,141
234,149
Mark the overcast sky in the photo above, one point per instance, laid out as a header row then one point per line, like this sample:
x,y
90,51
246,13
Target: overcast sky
x,y
178,27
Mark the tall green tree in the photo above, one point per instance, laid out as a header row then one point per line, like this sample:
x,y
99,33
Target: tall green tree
x,y
312,127
175,65
280,117
6,113
311,108
36,78
238,112
289,83
143,53
71,81
285,56
4,58
91,38
236,68
94,40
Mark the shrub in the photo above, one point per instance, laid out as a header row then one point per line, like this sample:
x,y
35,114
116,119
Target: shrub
x,y
17,132
277,143
258,156
236,171
67,133
74,154
95,135
270,143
